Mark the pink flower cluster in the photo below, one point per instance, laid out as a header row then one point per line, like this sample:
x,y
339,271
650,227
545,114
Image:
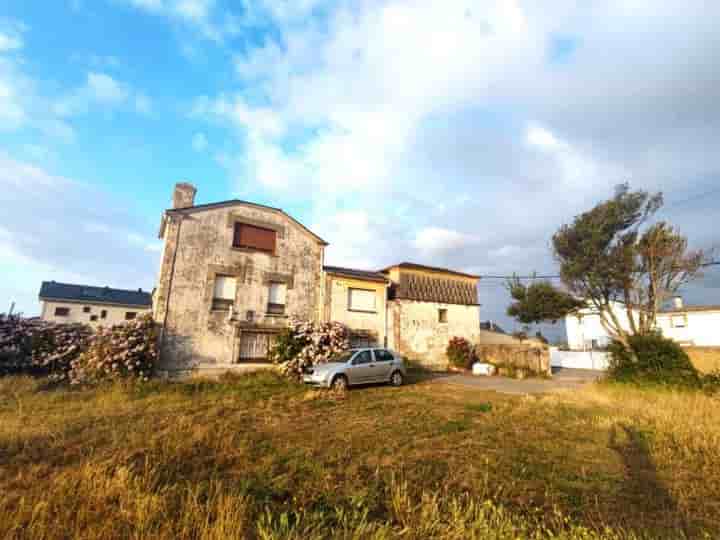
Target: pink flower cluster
x,y
315,343
122,351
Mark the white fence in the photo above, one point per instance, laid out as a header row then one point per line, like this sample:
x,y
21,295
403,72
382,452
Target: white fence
x,y
579,359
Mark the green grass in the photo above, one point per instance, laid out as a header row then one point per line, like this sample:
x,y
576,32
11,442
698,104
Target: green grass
x,y
258,457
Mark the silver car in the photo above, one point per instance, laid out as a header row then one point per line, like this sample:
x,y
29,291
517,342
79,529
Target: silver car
x,y
357,366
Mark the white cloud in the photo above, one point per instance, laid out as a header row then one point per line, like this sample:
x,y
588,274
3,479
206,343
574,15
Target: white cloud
x,y
10,43
104,89
204,16
438,239
199,142
58,228
143,104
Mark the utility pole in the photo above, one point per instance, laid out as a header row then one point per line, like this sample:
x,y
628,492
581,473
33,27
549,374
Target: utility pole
x,y
12,307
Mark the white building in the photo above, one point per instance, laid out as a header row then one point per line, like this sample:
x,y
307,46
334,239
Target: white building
x,y
94,306
688,325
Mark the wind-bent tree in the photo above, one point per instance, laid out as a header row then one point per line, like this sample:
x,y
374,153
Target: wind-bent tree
x,y
539,301
611,257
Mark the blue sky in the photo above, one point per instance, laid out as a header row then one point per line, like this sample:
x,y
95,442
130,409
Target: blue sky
x,y
456,133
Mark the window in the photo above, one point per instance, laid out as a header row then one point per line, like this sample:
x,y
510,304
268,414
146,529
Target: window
x,y
276,300
678,321
130,315
361,300
252,237
62,311
103,314
442,315
363,357
86,309
93,318
381,355
224,292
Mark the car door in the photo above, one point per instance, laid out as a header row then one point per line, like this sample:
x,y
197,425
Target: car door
x,y
383,364
360,370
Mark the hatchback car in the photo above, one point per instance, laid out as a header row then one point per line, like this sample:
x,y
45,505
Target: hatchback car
x,y
357,366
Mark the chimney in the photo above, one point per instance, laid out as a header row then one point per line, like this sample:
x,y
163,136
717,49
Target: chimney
x,y
184,195
678,302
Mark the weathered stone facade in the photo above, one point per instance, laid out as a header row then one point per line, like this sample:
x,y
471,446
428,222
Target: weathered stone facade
x,y
410,308
198,246
429,306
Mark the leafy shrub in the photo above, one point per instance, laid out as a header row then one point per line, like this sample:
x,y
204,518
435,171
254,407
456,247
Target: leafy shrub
x,y
652,358
121,351
39,347
307,343
460,353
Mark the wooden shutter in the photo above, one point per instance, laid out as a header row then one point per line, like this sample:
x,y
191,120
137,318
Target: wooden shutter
x,y
250,236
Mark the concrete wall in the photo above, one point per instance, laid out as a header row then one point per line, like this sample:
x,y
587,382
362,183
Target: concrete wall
x,y
198,246
336,306
115,314
416,333
579,359
495,338
534,359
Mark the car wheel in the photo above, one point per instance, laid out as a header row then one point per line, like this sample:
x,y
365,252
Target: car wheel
x,y
339,383
396,379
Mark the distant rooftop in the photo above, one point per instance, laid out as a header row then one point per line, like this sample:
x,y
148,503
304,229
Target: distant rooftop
x,y
355,273
52,290
415,266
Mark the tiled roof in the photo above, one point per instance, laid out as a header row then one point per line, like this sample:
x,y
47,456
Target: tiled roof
x,y
357,274
94,295
436,289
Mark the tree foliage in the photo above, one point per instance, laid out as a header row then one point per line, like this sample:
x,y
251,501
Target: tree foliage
x,y
539,301
612,257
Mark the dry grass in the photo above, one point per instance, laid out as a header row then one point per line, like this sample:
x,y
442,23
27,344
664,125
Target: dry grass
x,y
256,457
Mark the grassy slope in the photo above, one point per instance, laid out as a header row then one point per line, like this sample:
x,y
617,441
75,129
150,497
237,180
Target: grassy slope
x,y
257,457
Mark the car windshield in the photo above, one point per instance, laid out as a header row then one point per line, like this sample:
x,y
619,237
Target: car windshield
x,y
342,357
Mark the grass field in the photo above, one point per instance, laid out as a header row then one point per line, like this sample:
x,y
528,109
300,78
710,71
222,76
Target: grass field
x,y
257,457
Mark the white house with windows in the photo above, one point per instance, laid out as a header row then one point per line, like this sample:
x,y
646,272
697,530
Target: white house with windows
x,y
688,325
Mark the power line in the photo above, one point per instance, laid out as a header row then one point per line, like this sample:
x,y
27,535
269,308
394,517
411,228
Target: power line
x,y
555,276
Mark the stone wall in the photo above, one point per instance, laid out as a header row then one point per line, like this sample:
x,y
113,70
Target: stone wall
x,y
198,246
535,359
416,332
705,359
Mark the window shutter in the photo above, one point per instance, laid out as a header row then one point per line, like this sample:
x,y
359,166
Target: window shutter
x,y
224,288
249,236
362,299
277,293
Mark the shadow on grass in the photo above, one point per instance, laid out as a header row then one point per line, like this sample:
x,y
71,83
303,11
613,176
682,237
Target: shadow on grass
x,y
650,505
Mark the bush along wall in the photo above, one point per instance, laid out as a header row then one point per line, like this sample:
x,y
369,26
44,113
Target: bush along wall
x,y
460,353
74,353
651,358
37,347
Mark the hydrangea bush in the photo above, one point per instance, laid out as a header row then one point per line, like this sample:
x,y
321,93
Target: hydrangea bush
x,y
40,347
73,352
121,351
307,343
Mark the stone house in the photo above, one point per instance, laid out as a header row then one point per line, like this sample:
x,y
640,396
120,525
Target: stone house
x,y
94,306
232,272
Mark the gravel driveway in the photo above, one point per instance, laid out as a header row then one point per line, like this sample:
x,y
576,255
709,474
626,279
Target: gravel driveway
x,y
563,379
